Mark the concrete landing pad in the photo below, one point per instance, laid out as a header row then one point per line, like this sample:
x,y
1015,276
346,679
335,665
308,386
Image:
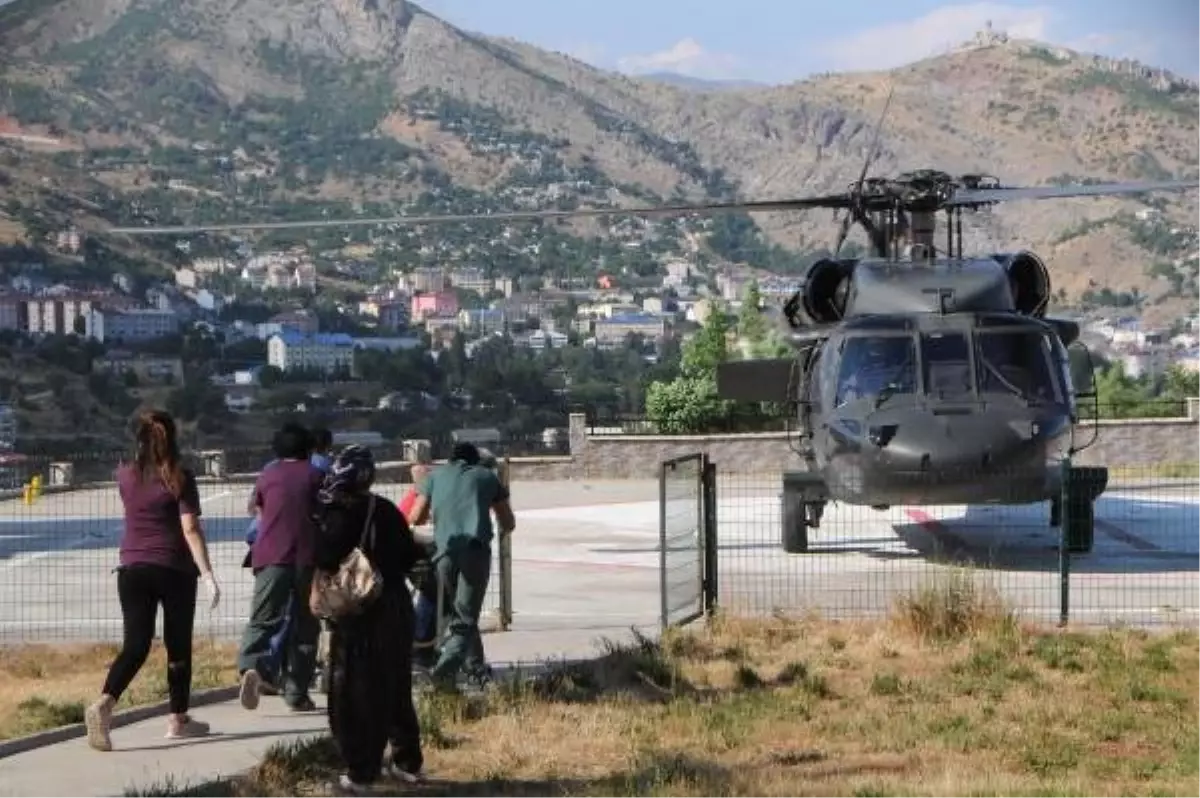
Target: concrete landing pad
x,y
586,558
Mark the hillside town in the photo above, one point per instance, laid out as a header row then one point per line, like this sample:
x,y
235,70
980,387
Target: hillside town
x,y
424,309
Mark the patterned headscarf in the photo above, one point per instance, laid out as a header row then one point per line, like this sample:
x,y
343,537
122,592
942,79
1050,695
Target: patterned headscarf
x,y
352,472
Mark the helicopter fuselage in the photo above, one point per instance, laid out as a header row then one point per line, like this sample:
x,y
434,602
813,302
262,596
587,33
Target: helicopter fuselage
x,y
927,408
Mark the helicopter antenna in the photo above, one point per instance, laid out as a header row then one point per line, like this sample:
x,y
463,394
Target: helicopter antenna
x,y
855,212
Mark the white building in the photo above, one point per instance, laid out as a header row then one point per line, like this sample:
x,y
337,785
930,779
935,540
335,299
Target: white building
x,y
324,352
134,324
8,427
546,339
1150,362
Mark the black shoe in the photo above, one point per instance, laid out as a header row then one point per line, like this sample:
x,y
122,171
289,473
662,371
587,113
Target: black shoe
x,y
424,658
302,704
479,679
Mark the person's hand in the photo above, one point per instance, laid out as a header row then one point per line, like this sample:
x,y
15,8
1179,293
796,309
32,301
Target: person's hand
x,y
214,590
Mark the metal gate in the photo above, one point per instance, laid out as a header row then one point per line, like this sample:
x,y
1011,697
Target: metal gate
x,y
687,539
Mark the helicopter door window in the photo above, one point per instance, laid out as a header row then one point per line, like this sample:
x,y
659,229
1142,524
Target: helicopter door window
x,y
1018,363
946,359
875,364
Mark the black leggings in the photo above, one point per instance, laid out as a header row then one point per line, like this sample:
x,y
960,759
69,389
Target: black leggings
x,y
141,588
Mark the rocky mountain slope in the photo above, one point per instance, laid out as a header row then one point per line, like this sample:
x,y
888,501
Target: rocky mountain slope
x,y
188,110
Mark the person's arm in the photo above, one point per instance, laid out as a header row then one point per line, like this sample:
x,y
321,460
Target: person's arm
x,y
419,515
254,505
503,509
193,533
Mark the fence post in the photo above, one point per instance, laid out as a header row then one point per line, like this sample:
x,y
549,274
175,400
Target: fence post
x,y
1064,552
662,543
711,585
505,552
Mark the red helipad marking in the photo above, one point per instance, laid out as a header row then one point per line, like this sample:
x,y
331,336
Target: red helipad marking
x,y
937,530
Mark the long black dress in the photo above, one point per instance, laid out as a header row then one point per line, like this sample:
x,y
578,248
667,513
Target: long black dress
x,y
370,656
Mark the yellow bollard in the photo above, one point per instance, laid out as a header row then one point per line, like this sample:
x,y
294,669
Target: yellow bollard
x,y
36,485
28,493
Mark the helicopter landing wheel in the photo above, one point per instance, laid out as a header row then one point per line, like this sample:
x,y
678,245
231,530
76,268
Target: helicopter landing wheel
x,y
1086,484
795,523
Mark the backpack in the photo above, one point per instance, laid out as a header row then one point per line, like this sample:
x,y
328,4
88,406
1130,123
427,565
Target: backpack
x,y
354,586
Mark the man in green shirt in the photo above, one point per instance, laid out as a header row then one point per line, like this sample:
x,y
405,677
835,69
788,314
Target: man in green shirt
x,y
461,497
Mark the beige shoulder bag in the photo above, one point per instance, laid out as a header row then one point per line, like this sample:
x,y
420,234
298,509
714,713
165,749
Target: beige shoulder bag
x,y
356,583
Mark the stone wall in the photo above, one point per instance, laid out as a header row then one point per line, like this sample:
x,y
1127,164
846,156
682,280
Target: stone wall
x,y
1119,442
1130,443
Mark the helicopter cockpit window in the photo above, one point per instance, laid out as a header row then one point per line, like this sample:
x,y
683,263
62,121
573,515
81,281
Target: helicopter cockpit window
x,y
1017,362
946,359
871,365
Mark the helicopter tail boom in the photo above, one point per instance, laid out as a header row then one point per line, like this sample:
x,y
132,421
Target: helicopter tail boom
x,y
757,380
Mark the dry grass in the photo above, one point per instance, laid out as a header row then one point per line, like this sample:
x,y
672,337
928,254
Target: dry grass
x,y
43,687
951,696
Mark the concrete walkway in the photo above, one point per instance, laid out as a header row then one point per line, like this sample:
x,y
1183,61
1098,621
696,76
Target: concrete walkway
x,y
142,758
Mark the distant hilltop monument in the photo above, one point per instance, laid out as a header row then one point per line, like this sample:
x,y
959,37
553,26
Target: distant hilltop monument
x,y
988,37
1158,78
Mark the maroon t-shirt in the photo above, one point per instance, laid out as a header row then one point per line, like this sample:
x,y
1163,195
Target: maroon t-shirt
x,y
286,493
153,532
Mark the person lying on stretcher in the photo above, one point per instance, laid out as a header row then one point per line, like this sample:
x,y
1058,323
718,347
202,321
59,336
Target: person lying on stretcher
x,y
424,582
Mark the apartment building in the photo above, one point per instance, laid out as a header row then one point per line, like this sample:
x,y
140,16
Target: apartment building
x,y
392,314
424,281
324,352
131,324
58,315
613,330
438,303
12,311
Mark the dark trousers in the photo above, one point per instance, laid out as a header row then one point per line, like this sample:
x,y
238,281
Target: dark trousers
x,y
275,587
464,569
370,688
141,589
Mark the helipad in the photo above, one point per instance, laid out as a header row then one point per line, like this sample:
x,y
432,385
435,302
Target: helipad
x,y
586,557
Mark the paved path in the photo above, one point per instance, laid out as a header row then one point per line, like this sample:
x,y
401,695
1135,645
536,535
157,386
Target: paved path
x,y
586,559
142,758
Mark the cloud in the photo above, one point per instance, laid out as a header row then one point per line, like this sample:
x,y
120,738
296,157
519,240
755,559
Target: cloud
x,y
900,43
685,57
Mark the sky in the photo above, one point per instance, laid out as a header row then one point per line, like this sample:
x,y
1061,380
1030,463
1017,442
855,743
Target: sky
x,y
777,41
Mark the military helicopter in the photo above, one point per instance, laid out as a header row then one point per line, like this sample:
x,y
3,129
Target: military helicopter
x,y
928,377
922,377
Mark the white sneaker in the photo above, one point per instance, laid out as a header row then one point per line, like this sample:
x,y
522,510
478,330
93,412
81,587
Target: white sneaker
x,y
97,719
394,771
189,728
346,784
248,694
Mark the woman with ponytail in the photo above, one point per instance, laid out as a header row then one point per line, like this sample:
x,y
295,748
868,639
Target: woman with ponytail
x,y
163,558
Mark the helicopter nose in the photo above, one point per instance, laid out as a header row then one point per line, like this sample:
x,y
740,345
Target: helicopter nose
x,y
962,442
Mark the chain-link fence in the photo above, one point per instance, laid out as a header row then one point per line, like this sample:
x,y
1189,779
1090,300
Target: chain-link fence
x,y
58,552
1141,568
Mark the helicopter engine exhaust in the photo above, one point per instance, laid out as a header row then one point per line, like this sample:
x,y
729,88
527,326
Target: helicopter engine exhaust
x,y
826,288
1029,281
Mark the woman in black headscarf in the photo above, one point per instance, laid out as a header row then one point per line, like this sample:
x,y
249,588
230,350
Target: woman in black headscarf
x,y
370,654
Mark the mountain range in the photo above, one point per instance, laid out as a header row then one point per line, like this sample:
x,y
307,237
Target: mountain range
x,y
190,110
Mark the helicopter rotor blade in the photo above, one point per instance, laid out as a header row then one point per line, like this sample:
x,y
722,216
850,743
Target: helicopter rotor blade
x,y
984,196
830,201
856,214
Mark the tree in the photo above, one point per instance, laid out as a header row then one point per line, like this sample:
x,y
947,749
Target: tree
x,y
689,403
756,338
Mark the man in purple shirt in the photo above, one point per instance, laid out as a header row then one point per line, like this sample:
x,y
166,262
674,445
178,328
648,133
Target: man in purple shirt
x,y
281,559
